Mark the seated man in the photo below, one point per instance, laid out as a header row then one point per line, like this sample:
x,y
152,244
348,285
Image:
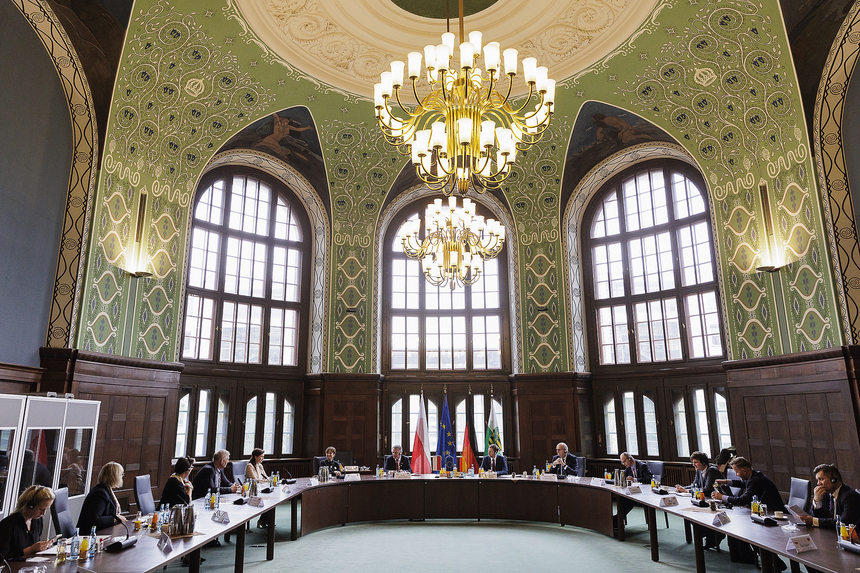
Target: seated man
x,y
832,499
563,463
639,473
212,477
494,461
752,483
335,468
397,462
705,480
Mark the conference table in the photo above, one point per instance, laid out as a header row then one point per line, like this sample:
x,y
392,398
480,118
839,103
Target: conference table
x,y
582,502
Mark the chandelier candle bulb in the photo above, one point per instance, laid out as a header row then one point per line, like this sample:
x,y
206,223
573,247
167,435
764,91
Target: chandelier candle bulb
x,y
448,40
442,55
414,59
529,70
475,38
510,61
430,57
491,56
542,73
467,56
387,87
464,130
397,73
549,98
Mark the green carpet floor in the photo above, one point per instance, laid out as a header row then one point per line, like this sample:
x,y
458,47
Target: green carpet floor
x,y
498,546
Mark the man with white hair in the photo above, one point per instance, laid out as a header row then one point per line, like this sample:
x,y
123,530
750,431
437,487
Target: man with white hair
x,y
211,477
563,463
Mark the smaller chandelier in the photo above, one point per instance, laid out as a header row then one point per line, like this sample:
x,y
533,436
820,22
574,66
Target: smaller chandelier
x,y
465,132
456,242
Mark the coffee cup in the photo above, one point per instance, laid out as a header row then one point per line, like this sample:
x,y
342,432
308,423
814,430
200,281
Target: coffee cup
x,y
778,514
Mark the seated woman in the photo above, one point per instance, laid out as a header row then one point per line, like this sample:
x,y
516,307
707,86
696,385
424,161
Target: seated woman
x,y
21,530
254,469
177,490
101,507
706,475
334,466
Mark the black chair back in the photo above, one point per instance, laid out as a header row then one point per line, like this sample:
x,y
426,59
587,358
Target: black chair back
x,y
580,466
237,469
317,461
143,494
799,493
61,514
656,469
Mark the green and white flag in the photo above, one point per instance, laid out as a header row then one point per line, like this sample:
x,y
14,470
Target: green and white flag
x,y
493,435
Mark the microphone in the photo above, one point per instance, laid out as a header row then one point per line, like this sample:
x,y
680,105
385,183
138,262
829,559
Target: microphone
x,y
118,545
291,479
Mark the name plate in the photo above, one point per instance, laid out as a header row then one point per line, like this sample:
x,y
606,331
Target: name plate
x,y
164,543
669,501
490,475
313,482
350,468
721,519
801,543
597,481
633,490
255,501
352,477
548,477
220,517
286,489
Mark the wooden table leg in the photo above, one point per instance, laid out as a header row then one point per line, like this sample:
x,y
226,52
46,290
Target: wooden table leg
x,y
698,533
270,535
294,519
240,548
766,561
795,566
619,518
688,532
194,561
652,529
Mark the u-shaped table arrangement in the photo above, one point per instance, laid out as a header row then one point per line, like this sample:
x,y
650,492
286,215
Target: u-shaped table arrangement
x,y
580,502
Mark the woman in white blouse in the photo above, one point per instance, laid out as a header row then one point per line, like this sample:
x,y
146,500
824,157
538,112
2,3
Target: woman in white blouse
x,y
254,470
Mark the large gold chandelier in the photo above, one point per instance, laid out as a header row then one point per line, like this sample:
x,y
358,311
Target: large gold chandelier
x,y
464,132
456,242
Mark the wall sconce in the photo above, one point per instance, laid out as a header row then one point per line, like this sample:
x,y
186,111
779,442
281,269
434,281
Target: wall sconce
x,y
136,262
772,258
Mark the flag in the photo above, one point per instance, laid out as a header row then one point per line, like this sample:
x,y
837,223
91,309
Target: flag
x,y
468,458
420,446
446,447
493,436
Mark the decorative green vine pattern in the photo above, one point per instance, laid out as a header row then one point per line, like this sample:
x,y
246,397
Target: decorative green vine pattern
x,y
361,169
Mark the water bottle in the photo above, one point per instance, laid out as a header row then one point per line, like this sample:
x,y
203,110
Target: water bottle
x,y
75,546
754,505
93,543
534,472
218,499
378,473
546,465
472,470
208,503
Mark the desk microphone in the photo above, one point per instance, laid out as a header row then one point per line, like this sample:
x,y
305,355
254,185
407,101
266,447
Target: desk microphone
x,y
118,545
291,479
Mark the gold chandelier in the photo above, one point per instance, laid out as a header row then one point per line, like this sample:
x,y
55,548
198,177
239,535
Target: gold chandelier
x,y
456,242
465,132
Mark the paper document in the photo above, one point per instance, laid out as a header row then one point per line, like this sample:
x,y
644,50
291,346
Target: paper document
x,y
796,511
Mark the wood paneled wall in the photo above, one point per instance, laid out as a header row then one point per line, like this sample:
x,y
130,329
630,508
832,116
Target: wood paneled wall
x,y
547,411
343,410
137,418
793,412
16,379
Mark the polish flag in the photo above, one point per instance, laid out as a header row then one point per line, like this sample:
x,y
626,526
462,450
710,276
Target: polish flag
x,y
421,445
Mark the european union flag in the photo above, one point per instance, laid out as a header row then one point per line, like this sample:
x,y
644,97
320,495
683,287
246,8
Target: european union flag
x,y
446,447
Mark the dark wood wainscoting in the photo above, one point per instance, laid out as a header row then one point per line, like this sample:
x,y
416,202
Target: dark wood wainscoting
x,y
793,412
137,418
343,410
16,379
547,411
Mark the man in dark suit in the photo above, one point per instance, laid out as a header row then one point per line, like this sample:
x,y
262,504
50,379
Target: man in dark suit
x,y
212,477
635,469
831,499
563,463
494,461
396,461
752,483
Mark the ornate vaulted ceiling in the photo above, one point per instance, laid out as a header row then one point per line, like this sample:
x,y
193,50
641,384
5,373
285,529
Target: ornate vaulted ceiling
x,y
347,43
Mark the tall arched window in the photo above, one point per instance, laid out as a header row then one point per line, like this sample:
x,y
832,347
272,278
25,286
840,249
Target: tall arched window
x,y
651,285
652,302
438,329
247,305
436,336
